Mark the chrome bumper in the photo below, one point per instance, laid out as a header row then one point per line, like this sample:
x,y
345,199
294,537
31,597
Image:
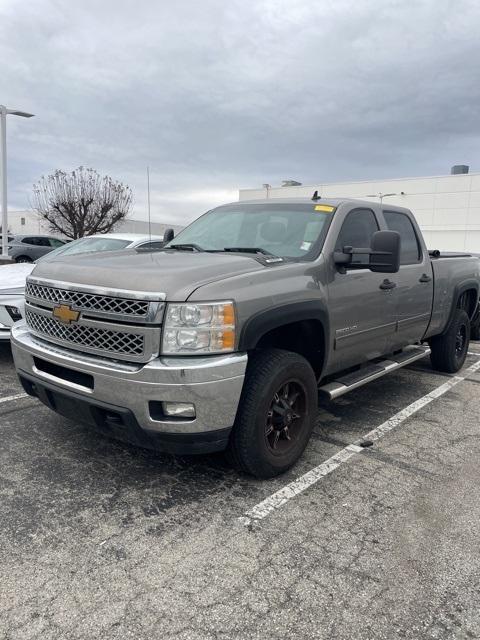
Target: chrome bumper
x,y
213,383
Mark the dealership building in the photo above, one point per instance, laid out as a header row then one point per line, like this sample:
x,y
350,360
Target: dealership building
x,y
30,223
447,207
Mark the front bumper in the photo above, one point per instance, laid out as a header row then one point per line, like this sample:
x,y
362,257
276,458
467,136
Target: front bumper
x,y
212,383
6,321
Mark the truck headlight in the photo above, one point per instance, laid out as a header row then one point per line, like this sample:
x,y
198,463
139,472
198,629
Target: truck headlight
x,y
192,328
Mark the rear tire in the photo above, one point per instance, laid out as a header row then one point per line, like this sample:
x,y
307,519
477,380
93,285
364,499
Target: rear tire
x,y
23,259
276,413
450,350
475,329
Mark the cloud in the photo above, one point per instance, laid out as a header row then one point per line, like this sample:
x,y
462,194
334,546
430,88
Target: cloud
x,y
219,95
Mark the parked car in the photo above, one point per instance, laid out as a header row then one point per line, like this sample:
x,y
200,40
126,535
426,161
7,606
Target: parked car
x,y
30,248
224,338
13,277
105,242
12,288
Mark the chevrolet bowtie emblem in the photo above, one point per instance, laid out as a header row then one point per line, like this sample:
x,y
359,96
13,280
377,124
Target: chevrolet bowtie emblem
x,y
65,313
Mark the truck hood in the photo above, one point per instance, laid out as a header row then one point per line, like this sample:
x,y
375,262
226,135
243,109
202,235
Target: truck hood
x,y
176,274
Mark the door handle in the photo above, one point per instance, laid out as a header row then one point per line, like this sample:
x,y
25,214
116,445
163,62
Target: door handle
x,y
387,284
425,278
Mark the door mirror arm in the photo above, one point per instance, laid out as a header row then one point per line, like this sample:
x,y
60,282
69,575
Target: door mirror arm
x,y
384,254
343,259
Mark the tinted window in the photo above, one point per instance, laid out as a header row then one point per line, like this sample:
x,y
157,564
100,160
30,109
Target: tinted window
x,y
36,241
357,231
410,251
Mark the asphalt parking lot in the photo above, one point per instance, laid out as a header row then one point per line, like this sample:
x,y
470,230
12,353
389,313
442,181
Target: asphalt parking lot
x,y
102,540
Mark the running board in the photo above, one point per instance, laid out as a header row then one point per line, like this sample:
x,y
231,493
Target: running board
x,y
370,372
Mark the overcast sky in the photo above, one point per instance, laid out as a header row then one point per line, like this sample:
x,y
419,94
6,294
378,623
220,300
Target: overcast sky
x,y
216,95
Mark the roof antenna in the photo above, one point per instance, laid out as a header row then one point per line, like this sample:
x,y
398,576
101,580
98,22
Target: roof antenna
x,y
316,196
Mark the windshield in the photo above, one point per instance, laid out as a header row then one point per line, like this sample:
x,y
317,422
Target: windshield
x,y
284,230
85,245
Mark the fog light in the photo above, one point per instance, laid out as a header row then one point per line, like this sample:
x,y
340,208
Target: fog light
x,y
14,313
179,409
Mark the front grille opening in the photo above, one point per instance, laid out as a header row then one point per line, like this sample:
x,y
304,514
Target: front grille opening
x,y
96,302
69,375
94,338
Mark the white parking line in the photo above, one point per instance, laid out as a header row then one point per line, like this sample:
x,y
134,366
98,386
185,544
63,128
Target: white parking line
x,y
279,498
15,397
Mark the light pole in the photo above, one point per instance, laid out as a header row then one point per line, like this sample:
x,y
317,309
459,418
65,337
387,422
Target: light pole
x,y
4,112
381,196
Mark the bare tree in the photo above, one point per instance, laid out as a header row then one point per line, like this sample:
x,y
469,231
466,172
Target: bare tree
x,y
82,202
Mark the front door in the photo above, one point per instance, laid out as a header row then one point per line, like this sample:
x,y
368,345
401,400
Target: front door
x,y
362,307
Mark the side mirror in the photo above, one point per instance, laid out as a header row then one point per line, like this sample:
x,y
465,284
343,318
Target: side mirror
x,y
168,235
385,252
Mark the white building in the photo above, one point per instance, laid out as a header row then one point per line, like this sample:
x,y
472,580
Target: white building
x,y
447,207
28,222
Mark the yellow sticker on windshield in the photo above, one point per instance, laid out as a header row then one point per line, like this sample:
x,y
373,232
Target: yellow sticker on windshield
x,y
324,207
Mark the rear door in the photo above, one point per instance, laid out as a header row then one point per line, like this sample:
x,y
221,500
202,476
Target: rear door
x,y
42,246
362,310
414,281
35,246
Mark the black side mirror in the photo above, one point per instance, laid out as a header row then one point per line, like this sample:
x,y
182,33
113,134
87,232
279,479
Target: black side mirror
x,y
385,252
168,235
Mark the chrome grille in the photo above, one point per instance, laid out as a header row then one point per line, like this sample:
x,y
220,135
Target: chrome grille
x,y
105,340
94,302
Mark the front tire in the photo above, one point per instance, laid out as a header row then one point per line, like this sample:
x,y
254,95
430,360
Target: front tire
x,y
276,413
23,259
450,350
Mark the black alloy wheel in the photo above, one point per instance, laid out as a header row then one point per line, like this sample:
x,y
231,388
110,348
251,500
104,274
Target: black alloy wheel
x,y
285,417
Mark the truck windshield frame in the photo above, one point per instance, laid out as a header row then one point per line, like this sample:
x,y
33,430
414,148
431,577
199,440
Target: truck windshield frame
x,y
292,231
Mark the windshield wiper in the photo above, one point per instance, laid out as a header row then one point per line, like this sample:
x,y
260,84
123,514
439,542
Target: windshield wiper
x,y
250,250
185,247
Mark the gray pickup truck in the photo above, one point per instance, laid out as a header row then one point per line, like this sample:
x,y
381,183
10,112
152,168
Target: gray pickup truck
x,y
224,338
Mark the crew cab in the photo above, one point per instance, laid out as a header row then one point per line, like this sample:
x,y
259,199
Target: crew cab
x,y
224,338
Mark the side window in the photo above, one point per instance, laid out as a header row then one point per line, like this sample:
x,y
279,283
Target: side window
x,y
357,231
410,251
29,241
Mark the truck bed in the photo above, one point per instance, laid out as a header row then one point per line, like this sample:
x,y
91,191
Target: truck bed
x,y
449,269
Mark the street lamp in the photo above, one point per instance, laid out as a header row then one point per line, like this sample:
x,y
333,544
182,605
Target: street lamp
x,y
381,196
3,169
